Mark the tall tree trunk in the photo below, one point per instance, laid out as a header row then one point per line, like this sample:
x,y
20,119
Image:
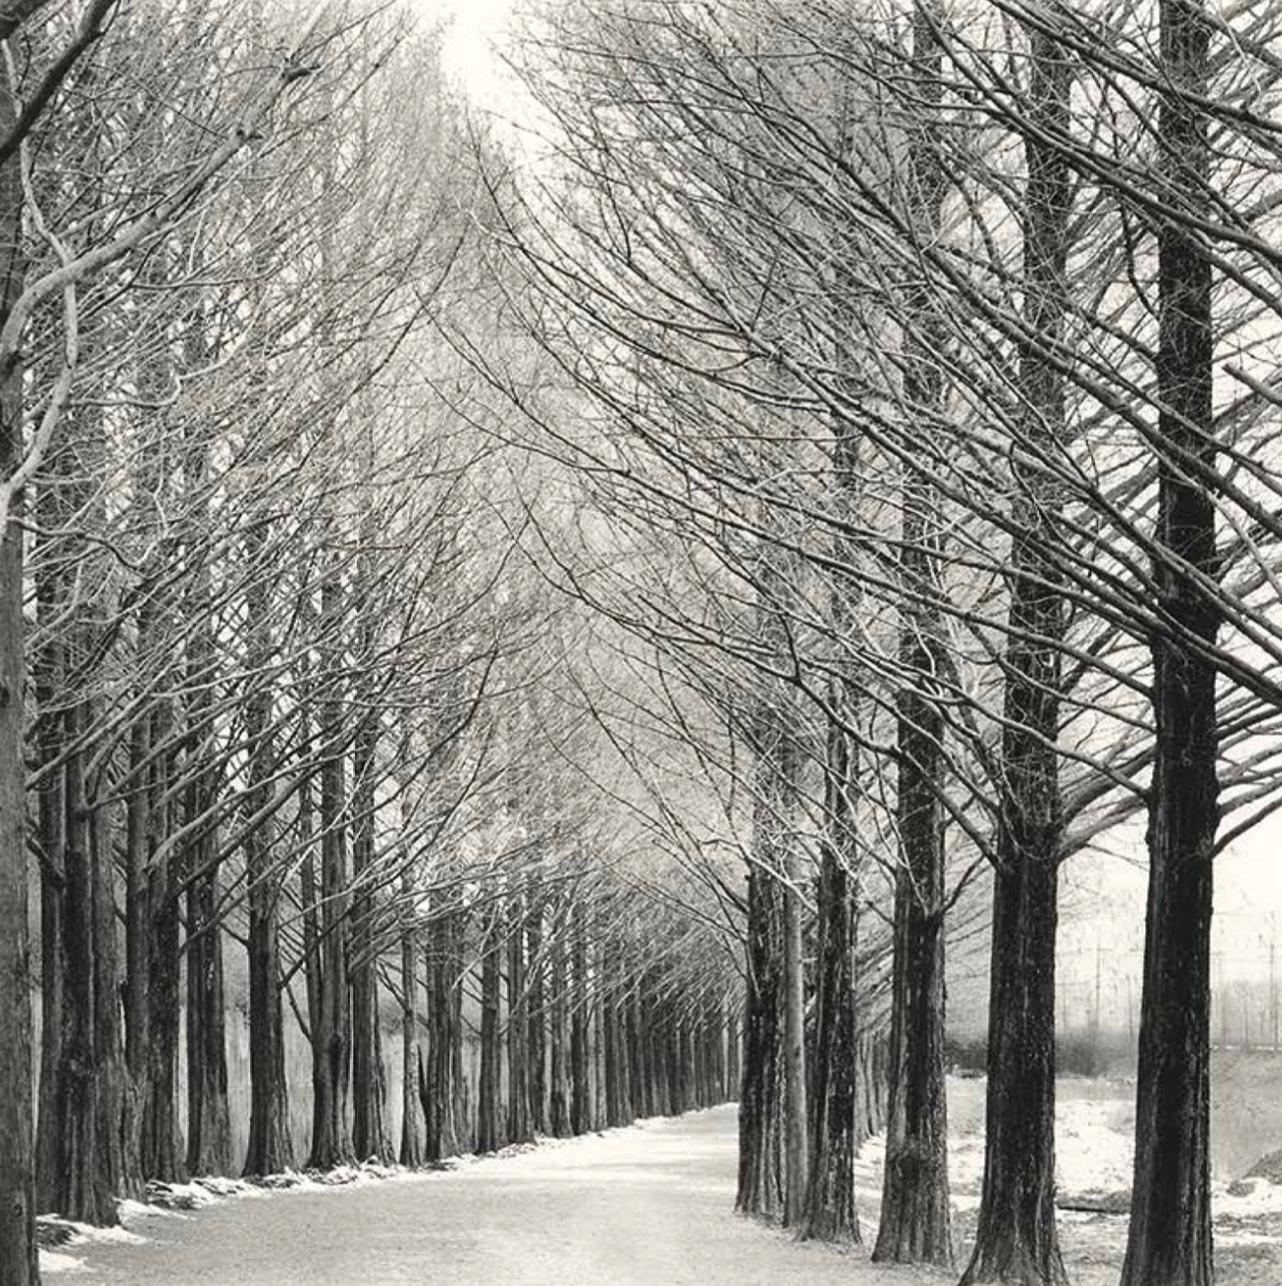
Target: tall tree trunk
x,y
830,1213
412,1139
118,1121
411,1149
442,1092
797,1169
51,687
1170,1230
370,1135
332,1139
1017,1240
519,1129
163,1156
309,901
270,1149
559,1107
536,1018
916,1224
760,1190
580,1063
208,1114
488,1129
94,1106
18,1265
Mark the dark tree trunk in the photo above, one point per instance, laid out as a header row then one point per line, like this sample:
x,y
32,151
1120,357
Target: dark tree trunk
x,y
830,1213
208,1114
559,1107
163,1156
270,1148
118,1119
797,1169
536,1020
1016,1240
96,1159
312,952
612,1037
412,1140
413,1137
760,1190
17,1153
50,691
916,1224
137,913
598,1041
488,1128
332,1037
1170,1230
642,1100
519,1129
370,1135
18,1257
442,1101
580,1055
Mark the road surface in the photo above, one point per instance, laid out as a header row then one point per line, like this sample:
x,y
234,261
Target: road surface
x,y
647,1206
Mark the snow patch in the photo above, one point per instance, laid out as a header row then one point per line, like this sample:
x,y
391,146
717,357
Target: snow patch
x,y
54,1261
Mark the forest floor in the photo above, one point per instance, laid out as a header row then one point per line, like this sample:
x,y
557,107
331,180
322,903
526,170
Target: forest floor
x,y
646,1206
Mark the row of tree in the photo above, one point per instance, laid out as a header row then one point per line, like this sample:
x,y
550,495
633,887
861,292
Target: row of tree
x,y
915,363
291,686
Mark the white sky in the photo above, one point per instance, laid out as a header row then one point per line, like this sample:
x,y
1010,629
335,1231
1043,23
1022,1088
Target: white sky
x,y
474,25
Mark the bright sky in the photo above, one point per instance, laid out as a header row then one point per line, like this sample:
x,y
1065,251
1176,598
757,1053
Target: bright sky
x,y
474,24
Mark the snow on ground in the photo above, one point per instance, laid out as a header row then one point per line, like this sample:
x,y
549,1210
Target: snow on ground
x,y
649,1204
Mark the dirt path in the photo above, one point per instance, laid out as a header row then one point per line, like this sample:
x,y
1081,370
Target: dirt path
x,y
648,1206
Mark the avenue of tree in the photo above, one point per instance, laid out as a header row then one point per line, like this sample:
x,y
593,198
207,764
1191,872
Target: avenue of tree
x,y
614,599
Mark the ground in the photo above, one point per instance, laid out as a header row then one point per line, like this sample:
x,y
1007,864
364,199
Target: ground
x,y
646,1206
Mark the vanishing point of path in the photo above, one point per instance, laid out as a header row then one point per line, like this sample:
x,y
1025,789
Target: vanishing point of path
x,y
646,1206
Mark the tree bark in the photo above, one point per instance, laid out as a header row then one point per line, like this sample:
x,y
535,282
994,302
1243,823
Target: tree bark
x,y
760,1190
536,1019
916,1224
369,1090
442,1102
411,1150
830,1213
488,1128
270,1149
163,1155
797,1172
208,1114
1170,1230
1017,1239
559,1107
580,1054
51,682
518,1040
18,1258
